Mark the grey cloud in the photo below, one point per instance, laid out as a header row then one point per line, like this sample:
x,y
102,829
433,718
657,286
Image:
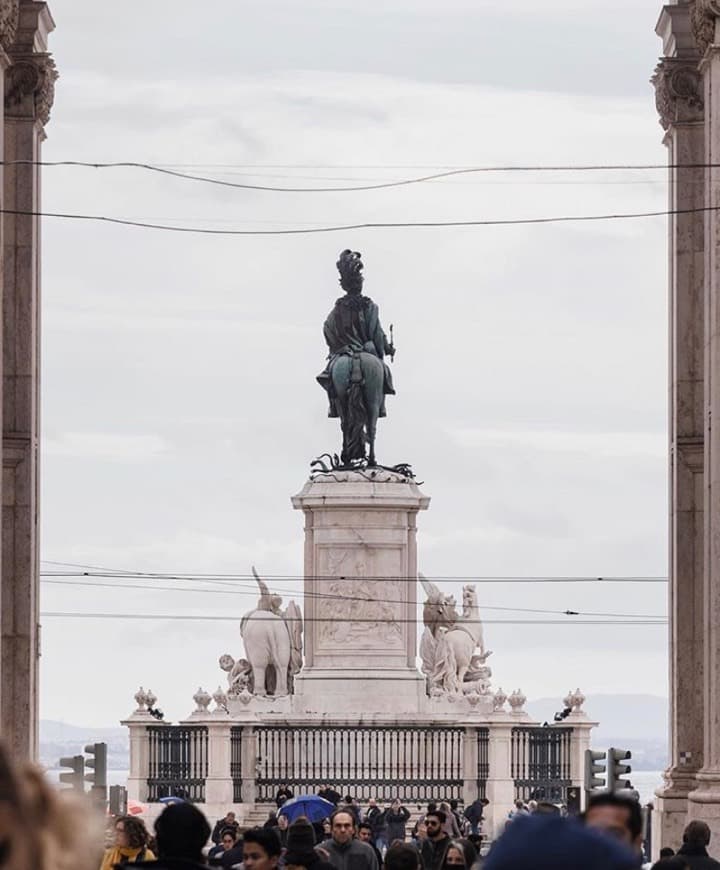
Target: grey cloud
x,y
540,47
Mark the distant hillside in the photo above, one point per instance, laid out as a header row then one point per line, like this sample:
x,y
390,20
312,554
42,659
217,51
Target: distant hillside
x,y
635,722
636,716
58,739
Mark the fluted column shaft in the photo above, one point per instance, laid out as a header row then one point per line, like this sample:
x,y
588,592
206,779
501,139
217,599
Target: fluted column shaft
x,y
29,88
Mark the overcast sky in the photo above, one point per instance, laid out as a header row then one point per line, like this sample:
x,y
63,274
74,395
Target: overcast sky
x,y
180,408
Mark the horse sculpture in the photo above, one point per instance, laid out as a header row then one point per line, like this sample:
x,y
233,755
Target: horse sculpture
x,y
450,640
467,634
358,384
273,642
355,377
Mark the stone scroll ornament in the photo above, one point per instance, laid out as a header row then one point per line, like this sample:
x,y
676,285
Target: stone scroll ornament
x,y
703,15
9,18
678,92
30,86
273,645
451,647
356,376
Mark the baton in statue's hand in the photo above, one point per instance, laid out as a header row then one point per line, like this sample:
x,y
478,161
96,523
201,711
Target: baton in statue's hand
x,y
392,345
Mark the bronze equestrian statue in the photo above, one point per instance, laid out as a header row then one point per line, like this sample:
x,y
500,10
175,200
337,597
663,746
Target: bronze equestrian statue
x,y
356,377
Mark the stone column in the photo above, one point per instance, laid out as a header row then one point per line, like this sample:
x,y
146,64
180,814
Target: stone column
x,y
29,88
704,801
249,765
137,787
579,744
500,787
218,783
680,104
470,766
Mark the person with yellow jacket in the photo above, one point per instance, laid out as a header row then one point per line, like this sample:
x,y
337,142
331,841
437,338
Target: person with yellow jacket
x,y
131,839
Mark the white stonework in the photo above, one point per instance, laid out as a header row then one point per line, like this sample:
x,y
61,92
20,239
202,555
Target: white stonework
x,y
360,710
360,594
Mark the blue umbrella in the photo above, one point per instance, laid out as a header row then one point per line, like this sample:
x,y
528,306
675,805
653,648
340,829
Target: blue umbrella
x,y
309,805
173,799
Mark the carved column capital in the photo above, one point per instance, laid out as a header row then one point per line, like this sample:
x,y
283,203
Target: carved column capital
x,y
30,86
703,15
9,18
678,91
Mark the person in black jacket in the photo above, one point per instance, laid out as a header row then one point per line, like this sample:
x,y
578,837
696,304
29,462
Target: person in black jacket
x,y
181,832
396,819
435,845
329,793
696,839
228,821
365,836
228,841
301,848
284,793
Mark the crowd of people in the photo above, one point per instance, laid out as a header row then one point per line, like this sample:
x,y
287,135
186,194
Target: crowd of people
x,y
42,828
608,836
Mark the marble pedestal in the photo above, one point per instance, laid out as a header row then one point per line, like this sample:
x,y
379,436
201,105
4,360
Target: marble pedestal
x,y
360,597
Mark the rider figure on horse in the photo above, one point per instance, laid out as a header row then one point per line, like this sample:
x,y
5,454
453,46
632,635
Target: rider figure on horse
x,y
353,327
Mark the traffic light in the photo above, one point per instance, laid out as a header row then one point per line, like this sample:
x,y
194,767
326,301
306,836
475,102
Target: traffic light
x,y
594,766
118,800
76,778
616,769
573,802
97,765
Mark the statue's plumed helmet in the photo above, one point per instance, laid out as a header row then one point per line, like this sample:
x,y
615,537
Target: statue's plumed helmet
x,y
350,266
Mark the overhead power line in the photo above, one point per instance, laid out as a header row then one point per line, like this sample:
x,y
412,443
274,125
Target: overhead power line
x,y
478,578
371,225
191,617
404,182
249,589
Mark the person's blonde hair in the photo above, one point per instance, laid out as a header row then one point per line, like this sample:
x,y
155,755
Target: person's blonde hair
x,y
42,827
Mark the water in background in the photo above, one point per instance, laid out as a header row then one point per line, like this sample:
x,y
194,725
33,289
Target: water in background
x,y
645,781
115,777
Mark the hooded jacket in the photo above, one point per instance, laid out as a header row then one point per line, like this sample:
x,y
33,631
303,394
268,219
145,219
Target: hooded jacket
x,y
350,856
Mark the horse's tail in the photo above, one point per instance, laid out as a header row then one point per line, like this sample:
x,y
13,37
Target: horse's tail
x,y
356,413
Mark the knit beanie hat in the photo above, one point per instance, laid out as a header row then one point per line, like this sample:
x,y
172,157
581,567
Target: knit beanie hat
x,y
300,843
552,843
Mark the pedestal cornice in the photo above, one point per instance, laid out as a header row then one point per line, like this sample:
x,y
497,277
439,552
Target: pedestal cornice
x,y
361,488
674,27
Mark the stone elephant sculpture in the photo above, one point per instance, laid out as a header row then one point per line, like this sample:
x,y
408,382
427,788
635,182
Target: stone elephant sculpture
x,y
267,644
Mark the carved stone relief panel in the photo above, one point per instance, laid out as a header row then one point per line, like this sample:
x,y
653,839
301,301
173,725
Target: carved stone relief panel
x,y
354,609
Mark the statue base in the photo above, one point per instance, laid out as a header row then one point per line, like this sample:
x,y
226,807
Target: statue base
x,y
360,637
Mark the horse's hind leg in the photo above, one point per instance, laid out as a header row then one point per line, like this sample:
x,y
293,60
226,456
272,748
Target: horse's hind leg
x,y
371,429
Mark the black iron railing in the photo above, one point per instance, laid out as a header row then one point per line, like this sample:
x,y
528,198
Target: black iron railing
x,y
178,762
236,762
411,763
483,760
540,763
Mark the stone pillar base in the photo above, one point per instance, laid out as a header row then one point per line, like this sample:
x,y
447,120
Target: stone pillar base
x,y
703,804
321,690
670,815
